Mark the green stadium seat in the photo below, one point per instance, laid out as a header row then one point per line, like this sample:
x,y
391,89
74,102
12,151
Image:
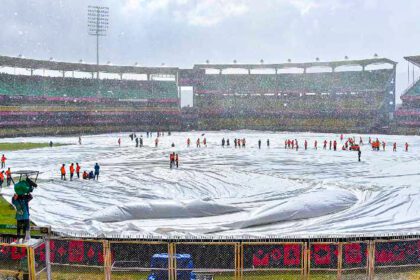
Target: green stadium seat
x,y
76,87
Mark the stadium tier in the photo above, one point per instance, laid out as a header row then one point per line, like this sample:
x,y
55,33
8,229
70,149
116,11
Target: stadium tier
x,y
329,101
334,101
69,105
296,83
77,88
408,116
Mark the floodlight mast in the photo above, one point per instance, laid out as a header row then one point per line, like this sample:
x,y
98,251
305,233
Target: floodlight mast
x,y
97,26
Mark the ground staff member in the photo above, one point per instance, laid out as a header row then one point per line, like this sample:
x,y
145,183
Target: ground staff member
x,y
21,203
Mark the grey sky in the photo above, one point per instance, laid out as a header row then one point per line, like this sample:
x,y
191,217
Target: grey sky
x,y
184,32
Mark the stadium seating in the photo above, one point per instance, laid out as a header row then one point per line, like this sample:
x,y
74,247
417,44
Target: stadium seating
x,y
73,104
409,114
76,87
413,90
334,101
352,81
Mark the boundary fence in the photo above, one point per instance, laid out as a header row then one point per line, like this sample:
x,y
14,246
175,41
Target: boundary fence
x,y
53,257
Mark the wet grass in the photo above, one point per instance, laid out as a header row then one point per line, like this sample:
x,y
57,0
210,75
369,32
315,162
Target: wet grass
x,y
7,216
23,146
7,211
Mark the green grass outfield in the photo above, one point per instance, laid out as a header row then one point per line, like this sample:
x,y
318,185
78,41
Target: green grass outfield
x,y
4,147
7,212
7,216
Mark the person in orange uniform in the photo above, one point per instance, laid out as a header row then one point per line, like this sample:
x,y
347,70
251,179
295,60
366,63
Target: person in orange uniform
x,y
8,177
171,160
1,178
71,171
406,146
63,172
188,142
3,161
78,170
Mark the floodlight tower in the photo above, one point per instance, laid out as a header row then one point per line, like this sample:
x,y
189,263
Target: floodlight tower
x,y
97,26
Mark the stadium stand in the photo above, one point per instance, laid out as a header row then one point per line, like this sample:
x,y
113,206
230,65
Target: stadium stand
x,y
408,115
333,101
74,87
328,101
32,104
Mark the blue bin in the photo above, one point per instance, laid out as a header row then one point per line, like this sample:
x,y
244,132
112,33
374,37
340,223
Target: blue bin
x,y
183,261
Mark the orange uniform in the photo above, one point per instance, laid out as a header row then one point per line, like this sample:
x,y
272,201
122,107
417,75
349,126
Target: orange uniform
x,y
71,171
63,172
3,161
9,177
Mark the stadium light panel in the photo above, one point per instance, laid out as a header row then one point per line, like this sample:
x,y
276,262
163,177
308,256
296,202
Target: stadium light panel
x,y
98,24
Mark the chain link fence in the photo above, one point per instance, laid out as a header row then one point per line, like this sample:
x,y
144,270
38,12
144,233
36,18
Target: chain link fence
x,y
396,259
272,260
201,260
354,260
324,260
139,260
77,258
41,254
14,261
